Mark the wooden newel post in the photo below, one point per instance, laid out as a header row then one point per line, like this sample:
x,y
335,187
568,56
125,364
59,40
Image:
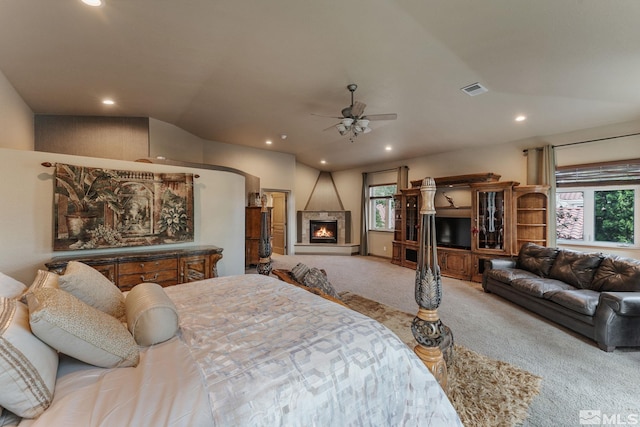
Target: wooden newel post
x,y
427,327
264,244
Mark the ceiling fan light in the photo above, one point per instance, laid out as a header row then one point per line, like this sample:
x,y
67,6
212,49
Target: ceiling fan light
x,y
366,129
347,122
363,123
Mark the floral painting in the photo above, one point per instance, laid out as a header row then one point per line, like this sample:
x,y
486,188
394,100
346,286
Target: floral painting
x,y
102,208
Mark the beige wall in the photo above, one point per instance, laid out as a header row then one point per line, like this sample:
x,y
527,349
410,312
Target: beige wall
x,y
26,221
16,119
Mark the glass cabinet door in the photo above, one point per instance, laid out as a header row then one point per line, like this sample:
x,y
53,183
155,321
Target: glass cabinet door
x,y
490,220
411,224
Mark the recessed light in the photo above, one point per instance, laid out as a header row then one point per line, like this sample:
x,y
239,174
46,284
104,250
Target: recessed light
x,y
388,148
108,101
521,118
94,3
283,136
268,142
324,162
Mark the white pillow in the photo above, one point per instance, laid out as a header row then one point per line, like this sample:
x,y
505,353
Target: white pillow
x,y
27,365
91,287
10,287
79,330
152,317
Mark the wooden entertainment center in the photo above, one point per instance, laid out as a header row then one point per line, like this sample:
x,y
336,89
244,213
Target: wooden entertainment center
x,y
501,217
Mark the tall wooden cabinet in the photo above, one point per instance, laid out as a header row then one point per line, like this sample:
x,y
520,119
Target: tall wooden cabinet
x,y
407,227
253,218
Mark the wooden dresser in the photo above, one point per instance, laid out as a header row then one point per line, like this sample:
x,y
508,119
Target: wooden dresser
x,y
166,267
253,223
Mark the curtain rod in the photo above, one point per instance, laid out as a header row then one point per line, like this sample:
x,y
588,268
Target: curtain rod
x,y
596,140
584,142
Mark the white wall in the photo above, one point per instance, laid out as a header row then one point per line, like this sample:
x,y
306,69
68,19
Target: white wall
x,y
26,223
16,119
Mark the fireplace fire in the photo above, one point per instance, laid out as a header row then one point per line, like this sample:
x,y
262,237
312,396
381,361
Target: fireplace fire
x,y
323,231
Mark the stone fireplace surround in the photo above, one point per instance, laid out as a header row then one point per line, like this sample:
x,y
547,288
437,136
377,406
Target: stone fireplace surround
x,y
342,217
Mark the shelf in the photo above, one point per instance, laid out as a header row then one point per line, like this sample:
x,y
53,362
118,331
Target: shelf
x,y
531,225
533,240
532,209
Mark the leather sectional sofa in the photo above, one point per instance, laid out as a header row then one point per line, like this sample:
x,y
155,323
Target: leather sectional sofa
x,y
593,294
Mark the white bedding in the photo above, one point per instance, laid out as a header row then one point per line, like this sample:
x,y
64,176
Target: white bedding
x,y
255,351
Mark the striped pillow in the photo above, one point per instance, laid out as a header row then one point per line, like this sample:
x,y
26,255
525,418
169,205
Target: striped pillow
x,y
27,365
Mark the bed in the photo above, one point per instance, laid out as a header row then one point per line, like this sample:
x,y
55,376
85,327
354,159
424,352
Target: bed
x,y
255,351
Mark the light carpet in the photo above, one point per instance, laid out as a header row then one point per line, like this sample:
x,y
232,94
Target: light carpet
x,y
484,392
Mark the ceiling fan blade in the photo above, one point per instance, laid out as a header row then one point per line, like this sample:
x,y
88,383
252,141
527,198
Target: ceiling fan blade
x,y
390,116
330,127
328,117
357,109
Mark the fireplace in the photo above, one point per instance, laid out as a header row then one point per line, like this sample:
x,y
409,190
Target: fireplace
x,y
325,231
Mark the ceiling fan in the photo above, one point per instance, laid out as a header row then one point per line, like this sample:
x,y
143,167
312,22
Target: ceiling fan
x,y
353,121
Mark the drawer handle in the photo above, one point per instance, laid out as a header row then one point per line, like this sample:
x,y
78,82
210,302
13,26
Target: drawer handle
x,y
144,279
141,265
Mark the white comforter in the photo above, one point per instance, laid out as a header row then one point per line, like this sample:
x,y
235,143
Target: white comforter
x,y
254,351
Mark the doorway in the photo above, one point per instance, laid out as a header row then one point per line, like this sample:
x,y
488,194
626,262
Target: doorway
x,y
278,201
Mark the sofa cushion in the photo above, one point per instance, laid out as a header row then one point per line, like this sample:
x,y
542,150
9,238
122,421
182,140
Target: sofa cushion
x,y
539,287
507,275
575,268
617,274
536,259
584,301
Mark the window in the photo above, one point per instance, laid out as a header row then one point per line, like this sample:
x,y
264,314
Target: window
x,y
381,207
598,216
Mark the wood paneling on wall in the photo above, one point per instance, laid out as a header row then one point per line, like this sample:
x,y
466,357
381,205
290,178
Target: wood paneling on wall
x,y
120,138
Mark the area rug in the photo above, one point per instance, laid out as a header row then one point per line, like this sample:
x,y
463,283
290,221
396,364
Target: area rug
x,y
484,392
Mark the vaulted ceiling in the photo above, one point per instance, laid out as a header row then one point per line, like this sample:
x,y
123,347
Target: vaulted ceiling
x,y
243,72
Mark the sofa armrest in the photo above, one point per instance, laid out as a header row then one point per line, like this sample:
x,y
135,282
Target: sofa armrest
x,y
623,303
497,263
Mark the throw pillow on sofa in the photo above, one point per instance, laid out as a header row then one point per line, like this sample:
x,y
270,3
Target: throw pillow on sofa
x,y
299,272
617,274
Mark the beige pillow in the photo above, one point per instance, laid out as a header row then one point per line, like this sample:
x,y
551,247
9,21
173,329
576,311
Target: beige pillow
x,y
10,287
27,365
79,330
91,287
44,279
151,316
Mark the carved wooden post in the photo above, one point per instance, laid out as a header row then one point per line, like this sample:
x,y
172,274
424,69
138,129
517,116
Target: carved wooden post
x,y
264,245
427,328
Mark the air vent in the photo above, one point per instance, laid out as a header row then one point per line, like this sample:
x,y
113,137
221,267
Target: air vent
x,y
474,89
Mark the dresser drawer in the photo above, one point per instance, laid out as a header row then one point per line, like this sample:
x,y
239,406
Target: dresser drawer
x,y
142,267
167,277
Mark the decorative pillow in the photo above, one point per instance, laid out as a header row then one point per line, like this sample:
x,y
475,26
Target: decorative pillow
x,y
27,365
79,330
44,279
316,279
10,287
151,316
299,271
91,287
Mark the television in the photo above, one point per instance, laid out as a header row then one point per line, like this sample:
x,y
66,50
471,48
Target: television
x,y
453,232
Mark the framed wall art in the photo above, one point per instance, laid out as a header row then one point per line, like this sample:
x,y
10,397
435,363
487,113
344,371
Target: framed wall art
x,y
103,208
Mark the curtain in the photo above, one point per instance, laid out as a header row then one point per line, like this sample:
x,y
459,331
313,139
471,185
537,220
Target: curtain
x,y
548,177
364,231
